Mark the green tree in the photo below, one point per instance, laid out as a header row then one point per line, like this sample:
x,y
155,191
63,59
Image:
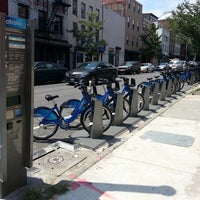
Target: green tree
x,y
151,44
185,22
88,37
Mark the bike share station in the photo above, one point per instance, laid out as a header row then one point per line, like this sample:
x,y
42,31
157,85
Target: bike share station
x,y
16,101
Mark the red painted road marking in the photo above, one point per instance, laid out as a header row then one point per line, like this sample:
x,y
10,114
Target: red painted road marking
x,y
90,186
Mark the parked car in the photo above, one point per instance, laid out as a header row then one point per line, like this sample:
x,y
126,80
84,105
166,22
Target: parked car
x,y
178,65
129,67
45,72
162,66
91,71
147,67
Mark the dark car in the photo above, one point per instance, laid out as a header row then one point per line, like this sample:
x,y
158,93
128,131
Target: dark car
x,y
129,67
46,72
91,71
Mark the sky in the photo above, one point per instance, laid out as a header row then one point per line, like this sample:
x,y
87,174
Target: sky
x,y
160,7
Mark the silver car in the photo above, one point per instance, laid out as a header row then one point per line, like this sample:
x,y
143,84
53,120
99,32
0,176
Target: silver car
x,y
147,67
178,65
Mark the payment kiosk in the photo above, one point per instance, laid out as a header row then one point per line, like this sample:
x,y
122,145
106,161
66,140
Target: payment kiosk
x,y
16,101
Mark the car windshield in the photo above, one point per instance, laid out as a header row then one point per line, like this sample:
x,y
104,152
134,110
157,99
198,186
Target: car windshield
x,y
144,64
180,62
126,63
88,66
163,63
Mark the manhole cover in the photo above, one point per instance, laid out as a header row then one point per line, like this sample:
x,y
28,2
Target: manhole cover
x,y
168,138
58,161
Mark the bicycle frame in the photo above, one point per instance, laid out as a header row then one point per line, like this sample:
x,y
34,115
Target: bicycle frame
x,y
63,121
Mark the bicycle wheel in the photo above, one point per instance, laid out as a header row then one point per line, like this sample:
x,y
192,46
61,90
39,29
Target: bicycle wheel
x,y
67,109
182,83
43,131
126,107
140,101
87,118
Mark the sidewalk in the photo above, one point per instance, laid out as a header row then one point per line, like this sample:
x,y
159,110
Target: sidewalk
x,y
156,161
161,161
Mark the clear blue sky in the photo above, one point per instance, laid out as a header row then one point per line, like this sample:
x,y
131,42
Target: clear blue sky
x,y
159,7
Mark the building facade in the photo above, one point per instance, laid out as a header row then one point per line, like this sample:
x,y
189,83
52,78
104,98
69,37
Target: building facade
x,y
51,21
114,51
79,10
132,10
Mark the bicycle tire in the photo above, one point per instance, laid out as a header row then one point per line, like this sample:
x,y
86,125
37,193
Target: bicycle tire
x,y
67,109
44,131
182,84
87,118
141,101
126,107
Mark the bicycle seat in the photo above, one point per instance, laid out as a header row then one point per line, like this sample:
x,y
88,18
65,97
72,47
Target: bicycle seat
x,y
149,79
49,97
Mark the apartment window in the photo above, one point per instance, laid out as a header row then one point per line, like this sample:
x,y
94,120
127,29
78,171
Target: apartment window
x,y
129,3
138,9
133,24
128,21
98,13
90,9
133,42
127,40
83,10
75,7
42,16
23,11
58,25
82,27
133,6
137,43
75,29
138,26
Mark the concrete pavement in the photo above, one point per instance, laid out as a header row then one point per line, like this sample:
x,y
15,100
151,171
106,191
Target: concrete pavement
x,y
159,159
148,168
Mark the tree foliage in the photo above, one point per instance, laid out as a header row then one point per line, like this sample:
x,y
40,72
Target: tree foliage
x,y
88,37
151,44
185,22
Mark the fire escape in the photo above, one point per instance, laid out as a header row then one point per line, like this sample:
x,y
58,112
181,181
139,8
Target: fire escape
x,y
58,5
51,8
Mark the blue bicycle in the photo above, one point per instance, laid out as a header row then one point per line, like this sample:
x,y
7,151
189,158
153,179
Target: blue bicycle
x,y
48,120
126,92
109,97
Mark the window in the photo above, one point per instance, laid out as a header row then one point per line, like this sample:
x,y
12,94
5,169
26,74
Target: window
x,y
97,17
58,25
128,21
138,26
133,24
90,9
138,9
75,28
133,6
129,4
23,11
74,8
42,20
127,40
83,10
